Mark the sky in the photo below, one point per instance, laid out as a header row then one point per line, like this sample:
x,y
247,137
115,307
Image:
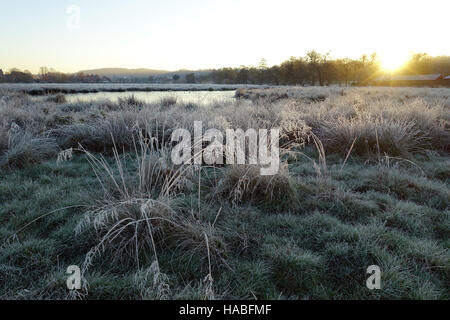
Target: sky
x,y
199,34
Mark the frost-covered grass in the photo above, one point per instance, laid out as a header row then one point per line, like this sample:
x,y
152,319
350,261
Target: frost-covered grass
x,y
141,227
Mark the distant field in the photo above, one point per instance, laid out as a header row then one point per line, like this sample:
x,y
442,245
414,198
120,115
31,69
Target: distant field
x,y
43,88
364,179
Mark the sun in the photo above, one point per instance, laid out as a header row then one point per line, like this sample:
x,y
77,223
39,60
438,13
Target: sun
x,y
392,61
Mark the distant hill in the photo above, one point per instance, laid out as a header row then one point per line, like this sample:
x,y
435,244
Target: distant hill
x,y
124,72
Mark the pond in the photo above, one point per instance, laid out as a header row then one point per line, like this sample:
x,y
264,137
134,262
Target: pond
x,y
199,97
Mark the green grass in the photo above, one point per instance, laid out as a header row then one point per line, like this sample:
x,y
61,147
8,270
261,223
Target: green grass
x,y
317,248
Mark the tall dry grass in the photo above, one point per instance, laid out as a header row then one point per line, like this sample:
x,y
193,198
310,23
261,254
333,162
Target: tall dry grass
x,y
20,148
140,211
397,122
242,184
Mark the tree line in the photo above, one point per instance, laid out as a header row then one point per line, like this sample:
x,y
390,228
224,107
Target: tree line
x,y
312,69
47,75
16,76
320,69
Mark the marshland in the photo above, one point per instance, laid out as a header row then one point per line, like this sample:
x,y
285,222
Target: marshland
x,y
363,180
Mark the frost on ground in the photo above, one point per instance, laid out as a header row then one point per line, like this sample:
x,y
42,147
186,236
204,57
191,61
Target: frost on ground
x,y
364,180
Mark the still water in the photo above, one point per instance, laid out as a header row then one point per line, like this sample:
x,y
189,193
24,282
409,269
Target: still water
x,y
199,97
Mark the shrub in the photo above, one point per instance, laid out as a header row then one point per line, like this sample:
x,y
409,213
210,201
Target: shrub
x,y
168,101
368,137
241,93
24,149
130,101
244,183
58,98
119,130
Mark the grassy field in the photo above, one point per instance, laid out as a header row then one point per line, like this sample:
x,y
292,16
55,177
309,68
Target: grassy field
x,y
364,180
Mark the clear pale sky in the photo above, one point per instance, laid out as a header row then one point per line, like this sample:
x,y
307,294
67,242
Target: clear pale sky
x,y
199,34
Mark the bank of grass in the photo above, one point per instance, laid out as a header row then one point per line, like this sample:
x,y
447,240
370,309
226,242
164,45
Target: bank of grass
x,y
346,197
